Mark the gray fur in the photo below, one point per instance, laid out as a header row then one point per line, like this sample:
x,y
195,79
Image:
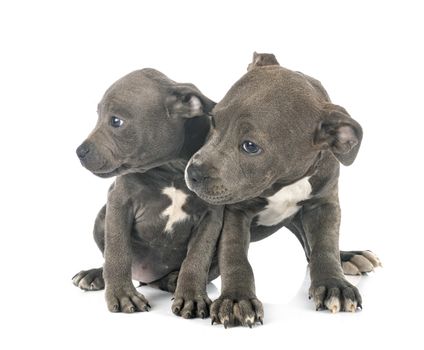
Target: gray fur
x,y
301,135
148,154
262,59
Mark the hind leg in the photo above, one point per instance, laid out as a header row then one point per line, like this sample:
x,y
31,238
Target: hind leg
x,y
357,262
91,280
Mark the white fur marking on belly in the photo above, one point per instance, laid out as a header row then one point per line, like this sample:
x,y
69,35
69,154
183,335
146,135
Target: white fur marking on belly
x,y
283,204
174,212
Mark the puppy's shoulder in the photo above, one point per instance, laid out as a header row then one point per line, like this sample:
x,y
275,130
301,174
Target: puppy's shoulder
x,y
126,188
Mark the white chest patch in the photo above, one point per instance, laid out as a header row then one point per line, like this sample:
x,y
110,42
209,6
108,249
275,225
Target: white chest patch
x,y
174,212
283,204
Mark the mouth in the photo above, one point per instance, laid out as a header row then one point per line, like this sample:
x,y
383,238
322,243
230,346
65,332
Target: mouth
x,y
215,194
120,170
217,199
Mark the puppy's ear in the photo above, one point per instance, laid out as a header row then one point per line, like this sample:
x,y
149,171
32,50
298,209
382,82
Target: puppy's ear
x,y
339,133
186,101
262,59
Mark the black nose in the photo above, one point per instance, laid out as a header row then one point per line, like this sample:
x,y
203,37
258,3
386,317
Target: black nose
x,y
82,150
196,173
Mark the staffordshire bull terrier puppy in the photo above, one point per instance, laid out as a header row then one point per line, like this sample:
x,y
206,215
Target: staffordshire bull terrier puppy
x,y
152,228
273,158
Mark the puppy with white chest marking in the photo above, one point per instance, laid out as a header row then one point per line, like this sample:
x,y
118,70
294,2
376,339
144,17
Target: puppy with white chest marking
x,y
273,159
152,229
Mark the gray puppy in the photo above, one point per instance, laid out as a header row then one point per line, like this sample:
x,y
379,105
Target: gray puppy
x,y
152,226
273,158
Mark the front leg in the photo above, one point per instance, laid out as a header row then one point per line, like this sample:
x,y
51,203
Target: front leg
x,y
190,298
238,302
329,288
121,295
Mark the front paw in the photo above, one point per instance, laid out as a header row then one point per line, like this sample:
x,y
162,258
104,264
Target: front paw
x,y
191,304
335,294
125,299
232,310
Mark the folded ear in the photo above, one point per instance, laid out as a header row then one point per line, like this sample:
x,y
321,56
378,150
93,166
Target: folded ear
x,y
339,133
186,101
262,59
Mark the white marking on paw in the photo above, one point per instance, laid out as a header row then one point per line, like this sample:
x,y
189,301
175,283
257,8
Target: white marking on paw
x,y
350,269
372,257
362,263
350,306
251,319
224,319
283,204
174,212
333,304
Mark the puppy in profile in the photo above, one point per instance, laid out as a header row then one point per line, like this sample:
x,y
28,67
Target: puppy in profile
x,y
152,229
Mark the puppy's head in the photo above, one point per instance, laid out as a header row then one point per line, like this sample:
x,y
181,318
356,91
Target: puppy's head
x,y
141,124
271,126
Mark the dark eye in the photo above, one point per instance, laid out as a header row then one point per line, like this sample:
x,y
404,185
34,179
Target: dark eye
x,y
116,122
250,147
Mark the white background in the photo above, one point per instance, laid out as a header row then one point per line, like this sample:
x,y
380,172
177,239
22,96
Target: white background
x,y
57,58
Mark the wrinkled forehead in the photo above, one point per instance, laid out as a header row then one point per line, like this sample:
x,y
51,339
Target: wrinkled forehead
x,y
128,96
269,100
244,115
